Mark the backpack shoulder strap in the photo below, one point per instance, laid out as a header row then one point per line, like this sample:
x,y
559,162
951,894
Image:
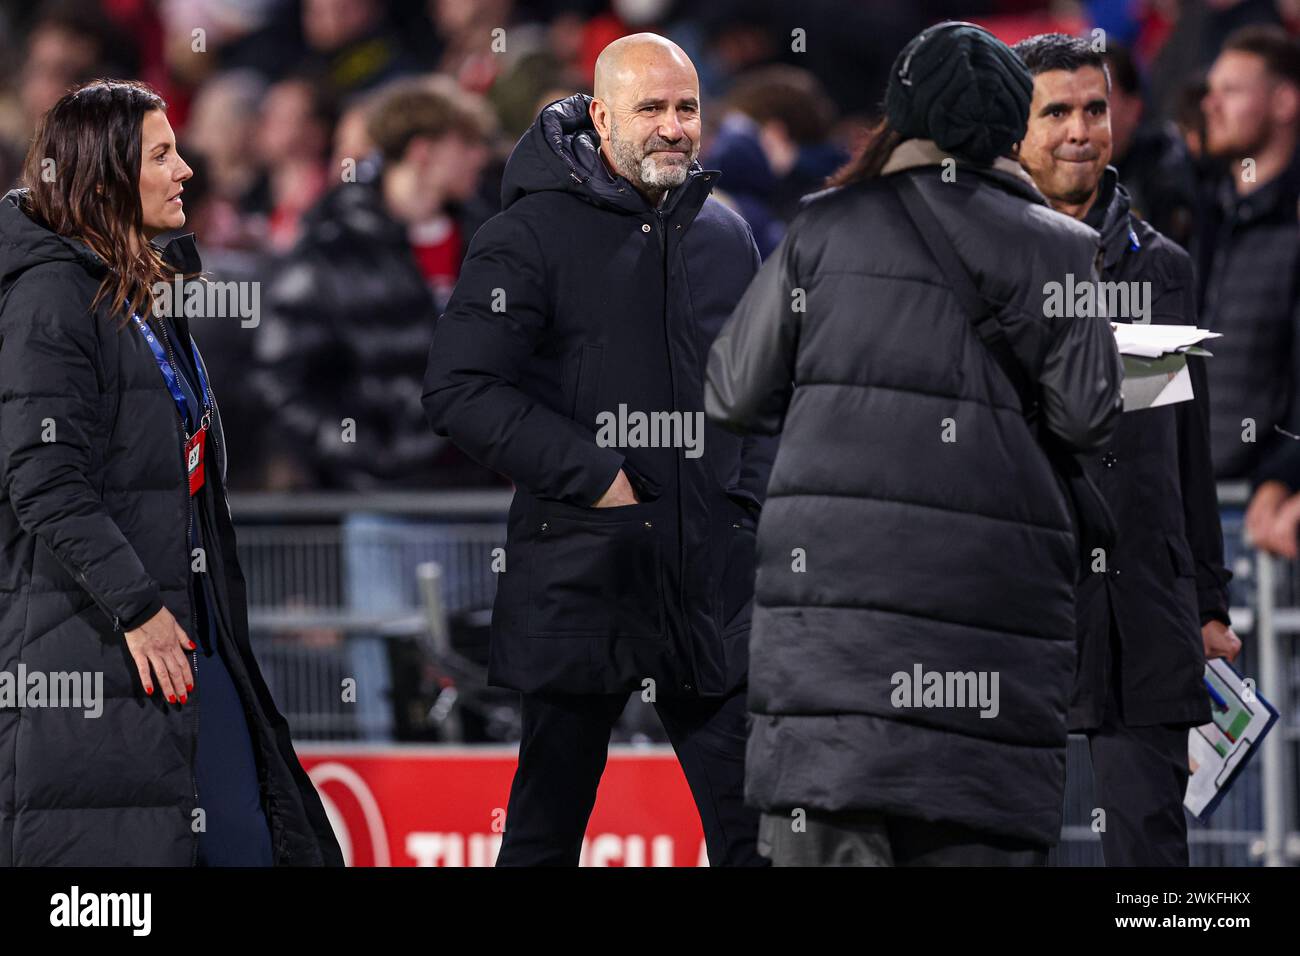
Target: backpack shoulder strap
x,y
981,315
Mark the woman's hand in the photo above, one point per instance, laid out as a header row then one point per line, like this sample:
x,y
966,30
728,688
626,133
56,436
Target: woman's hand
x,y
158,642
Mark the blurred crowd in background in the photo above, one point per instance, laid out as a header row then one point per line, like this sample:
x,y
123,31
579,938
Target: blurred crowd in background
x,y
345,151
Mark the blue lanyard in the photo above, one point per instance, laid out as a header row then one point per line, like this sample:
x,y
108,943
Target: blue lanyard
x,y
169,374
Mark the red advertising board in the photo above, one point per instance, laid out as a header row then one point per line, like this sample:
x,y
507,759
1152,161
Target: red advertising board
x,y
445,806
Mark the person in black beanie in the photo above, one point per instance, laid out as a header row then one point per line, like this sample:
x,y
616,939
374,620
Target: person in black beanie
x,y
960,86
912,642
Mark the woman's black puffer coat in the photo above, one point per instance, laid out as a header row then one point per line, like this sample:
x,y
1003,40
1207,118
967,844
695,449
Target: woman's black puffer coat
x,y
94,511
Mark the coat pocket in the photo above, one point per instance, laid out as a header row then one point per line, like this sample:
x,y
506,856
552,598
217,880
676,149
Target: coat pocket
x,y
586,386
595,572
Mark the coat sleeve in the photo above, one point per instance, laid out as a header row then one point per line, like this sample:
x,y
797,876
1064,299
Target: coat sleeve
x,y
494,323
757,452
1177,303
1082,375
49,404
751,365
1201,498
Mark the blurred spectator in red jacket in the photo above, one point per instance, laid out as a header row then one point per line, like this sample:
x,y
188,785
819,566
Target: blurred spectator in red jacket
x,y
349,313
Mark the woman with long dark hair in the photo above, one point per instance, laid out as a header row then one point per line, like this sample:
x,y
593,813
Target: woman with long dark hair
x,y
138,729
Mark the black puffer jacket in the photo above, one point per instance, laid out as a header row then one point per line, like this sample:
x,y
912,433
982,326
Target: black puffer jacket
x,y
882,547
93,541
345,336
580,299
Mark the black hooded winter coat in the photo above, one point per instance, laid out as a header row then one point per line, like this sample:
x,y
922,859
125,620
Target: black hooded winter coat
x,y
579,302
94,512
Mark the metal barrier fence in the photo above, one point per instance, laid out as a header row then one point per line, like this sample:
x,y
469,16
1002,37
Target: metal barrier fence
x,y
335,581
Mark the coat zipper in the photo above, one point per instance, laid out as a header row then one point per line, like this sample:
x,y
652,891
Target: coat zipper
x,y
117,621
221,465
691,685
189,586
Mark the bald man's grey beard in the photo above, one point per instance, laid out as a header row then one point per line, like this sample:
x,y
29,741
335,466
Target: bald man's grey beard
x,y
642,169
662,177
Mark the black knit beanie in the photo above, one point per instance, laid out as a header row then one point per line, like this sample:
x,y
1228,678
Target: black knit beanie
x,y
959,85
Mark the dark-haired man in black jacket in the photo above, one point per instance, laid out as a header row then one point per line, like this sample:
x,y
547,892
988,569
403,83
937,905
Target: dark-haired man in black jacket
x,y
1155,607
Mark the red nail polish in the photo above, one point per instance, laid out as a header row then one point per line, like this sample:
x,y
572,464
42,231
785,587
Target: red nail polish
x,y
171,699
148,690
184,698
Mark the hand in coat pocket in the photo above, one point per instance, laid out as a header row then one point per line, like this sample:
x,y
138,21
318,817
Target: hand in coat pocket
x,y
595,572
618,494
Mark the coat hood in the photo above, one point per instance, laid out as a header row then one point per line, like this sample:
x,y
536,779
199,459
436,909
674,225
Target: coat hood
x,y
561,153
1006,172
25,243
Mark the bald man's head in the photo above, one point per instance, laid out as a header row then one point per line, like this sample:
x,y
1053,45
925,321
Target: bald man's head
x,y
647,111
629,57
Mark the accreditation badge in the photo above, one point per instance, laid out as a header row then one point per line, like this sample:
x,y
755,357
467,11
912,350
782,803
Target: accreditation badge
x,y
194,459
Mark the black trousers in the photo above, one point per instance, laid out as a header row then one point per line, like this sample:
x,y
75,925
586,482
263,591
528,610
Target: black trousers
x,y
562,756
1140,775
863,838
225,769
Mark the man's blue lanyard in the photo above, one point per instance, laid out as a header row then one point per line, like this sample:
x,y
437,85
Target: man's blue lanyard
x,y
169,375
